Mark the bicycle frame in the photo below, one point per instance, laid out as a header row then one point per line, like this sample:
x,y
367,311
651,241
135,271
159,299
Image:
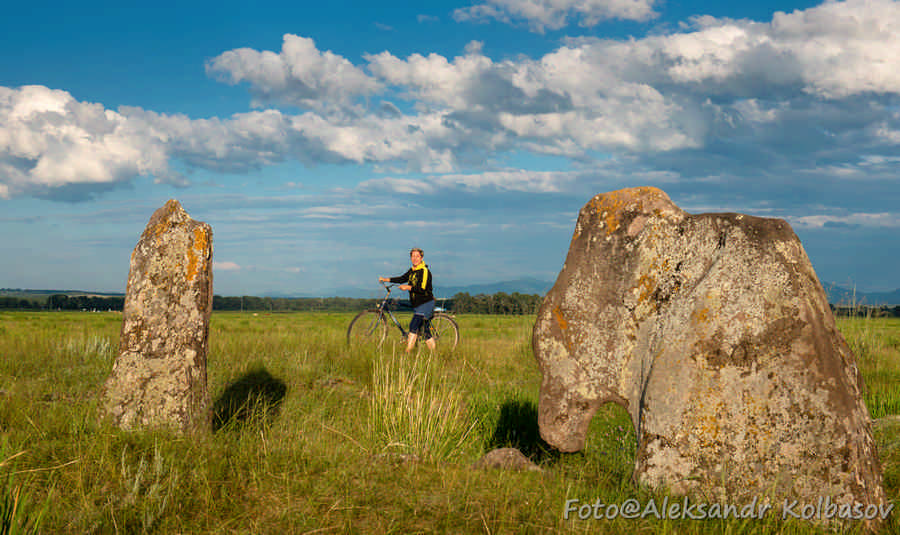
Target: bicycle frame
x,y
385,308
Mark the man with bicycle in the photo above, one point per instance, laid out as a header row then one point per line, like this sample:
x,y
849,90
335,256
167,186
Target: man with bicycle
x,y
417,281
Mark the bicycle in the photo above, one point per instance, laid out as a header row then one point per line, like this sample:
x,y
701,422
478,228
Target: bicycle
x,y
371,326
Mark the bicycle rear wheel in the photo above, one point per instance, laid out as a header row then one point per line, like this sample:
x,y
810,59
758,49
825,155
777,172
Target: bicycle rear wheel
x,y
444,330
367,328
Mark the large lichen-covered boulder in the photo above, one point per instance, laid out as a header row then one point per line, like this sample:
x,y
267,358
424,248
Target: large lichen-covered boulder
x,y
159,377
714,333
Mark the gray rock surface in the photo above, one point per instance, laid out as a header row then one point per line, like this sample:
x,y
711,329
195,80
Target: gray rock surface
x,y
159,377
714,333
506,459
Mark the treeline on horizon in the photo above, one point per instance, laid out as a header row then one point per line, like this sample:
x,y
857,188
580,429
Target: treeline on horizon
x,y
461,303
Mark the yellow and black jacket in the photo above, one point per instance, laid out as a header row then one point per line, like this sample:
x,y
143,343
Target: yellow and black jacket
x,y
419,277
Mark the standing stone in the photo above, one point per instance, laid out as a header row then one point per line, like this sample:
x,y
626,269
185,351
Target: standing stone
x,y
714,333
159,378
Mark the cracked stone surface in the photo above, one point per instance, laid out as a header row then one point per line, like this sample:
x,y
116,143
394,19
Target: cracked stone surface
x,y
159,377
715,334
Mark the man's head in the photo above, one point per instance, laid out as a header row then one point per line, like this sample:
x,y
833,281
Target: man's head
x,y
416,255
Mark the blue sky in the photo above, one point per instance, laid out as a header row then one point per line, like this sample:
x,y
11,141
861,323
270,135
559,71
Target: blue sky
x,y
323,140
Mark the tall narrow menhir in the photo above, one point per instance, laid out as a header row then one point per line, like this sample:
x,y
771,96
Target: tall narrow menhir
x,y
159,377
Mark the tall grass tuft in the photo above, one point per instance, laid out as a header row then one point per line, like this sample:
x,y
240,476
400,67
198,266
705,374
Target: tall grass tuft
x,y
87,346
16,517
147,489
414,410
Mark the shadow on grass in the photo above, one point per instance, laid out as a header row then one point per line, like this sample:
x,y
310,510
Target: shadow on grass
x,y
253,398
517,428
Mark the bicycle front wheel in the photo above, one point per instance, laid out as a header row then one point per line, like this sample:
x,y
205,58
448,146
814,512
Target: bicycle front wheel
x,y
444,330
367,328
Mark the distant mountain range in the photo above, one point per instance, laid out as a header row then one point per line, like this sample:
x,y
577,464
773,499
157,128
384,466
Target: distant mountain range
x,y
523,286
837,295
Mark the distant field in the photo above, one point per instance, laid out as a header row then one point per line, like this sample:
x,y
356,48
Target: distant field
x,y
337,441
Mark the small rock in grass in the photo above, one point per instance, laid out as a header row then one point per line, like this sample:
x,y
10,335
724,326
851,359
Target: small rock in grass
x,y
506,459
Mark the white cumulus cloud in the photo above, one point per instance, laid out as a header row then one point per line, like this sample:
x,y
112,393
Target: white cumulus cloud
x,y
833,50
48,140
299,74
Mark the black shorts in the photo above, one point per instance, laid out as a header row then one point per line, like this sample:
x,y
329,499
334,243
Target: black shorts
x,y
421,318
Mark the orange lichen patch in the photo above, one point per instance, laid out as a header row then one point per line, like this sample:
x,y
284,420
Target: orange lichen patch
x,y
612,222
700,316
563,326
648,191
192,265
158,230
200,242
707,427
646,284
560,320
610,205
708,411
165,221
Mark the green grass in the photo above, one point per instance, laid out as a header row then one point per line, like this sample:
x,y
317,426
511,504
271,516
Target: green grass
x,y
876,344
314,438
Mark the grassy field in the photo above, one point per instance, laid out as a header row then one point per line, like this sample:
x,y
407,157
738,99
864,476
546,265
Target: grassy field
x,y
311,437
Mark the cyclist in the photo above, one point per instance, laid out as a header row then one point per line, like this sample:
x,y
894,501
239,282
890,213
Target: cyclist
x,y
418,279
